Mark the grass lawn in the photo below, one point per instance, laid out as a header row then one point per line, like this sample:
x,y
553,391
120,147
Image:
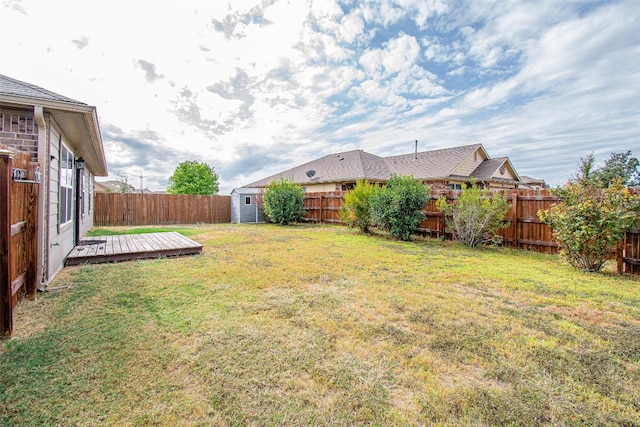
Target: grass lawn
x,y
320,325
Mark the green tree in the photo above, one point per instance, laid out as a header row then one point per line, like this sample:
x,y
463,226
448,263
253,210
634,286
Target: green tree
x,y
589,222
622,166
398,207
475,217
587,170
355,210
191,177
283,202
619,166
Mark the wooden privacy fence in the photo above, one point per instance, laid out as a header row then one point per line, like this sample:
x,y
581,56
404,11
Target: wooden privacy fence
x,y
115,209
323,207
18,234
525,230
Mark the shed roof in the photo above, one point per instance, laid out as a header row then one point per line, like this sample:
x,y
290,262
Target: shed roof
x,y
246,190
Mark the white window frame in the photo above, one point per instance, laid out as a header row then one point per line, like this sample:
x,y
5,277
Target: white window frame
x,y
65,186
90,192
247,199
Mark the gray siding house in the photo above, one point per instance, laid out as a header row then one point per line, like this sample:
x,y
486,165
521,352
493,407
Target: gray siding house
x,y
245,208
63,136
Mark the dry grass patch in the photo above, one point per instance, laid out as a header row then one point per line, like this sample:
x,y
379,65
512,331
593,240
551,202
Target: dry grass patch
x,y
318,325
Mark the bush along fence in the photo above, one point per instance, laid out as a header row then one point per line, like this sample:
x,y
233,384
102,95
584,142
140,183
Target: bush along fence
x,y
525,230
124,209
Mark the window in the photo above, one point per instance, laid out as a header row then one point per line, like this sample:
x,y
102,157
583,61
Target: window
x,y
455,186
66,186
247,200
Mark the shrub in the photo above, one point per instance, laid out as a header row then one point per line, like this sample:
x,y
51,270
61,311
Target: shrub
x,y
475,217
589,222
355,211
283,202
398,207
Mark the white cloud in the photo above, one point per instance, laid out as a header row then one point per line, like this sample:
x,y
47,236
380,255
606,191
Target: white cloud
x,y
220,81
398,53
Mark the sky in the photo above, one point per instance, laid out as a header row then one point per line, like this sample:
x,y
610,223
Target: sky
x,y
254,88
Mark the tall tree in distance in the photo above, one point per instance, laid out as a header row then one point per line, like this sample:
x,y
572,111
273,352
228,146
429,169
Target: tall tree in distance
x,y
622,166
191,177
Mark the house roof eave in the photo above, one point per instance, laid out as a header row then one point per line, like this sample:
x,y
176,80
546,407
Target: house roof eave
x,y
78,122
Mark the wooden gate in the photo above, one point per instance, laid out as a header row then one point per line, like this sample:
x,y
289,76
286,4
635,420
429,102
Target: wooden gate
x,y
18,233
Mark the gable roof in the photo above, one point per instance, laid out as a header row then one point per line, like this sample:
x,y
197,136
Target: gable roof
x,y
441,164
432,164
496,169
77,121
246,190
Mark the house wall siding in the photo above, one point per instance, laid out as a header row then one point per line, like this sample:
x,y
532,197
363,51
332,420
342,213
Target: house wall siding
x,y
322,188
470,164
508,174
61,240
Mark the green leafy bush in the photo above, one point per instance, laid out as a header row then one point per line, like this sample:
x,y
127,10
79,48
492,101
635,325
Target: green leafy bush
x,y
398,207
355,210
283,202
475,217
589,222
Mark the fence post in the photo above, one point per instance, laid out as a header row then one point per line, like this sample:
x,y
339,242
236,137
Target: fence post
x,y
514,202
6,312
620,256
321,210
31,242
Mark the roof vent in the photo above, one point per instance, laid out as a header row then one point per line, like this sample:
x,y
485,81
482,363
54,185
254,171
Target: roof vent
x,y
310,173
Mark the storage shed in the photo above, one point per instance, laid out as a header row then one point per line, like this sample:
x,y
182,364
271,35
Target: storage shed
x,y
244,206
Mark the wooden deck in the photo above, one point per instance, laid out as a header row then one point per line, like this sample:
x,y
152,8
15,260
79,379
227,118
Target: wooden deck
x,y
124,247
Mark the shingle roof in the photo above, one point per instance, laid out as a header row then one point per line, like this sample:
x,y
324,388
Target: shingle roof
x,y
353,165
9,86
430,164
488,168
347,166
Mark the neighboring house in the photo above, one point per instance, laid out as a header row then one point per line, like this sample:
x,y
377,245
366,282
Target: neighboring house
x,y
532,183
63,136
440,169
113,187
245,206
121,187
